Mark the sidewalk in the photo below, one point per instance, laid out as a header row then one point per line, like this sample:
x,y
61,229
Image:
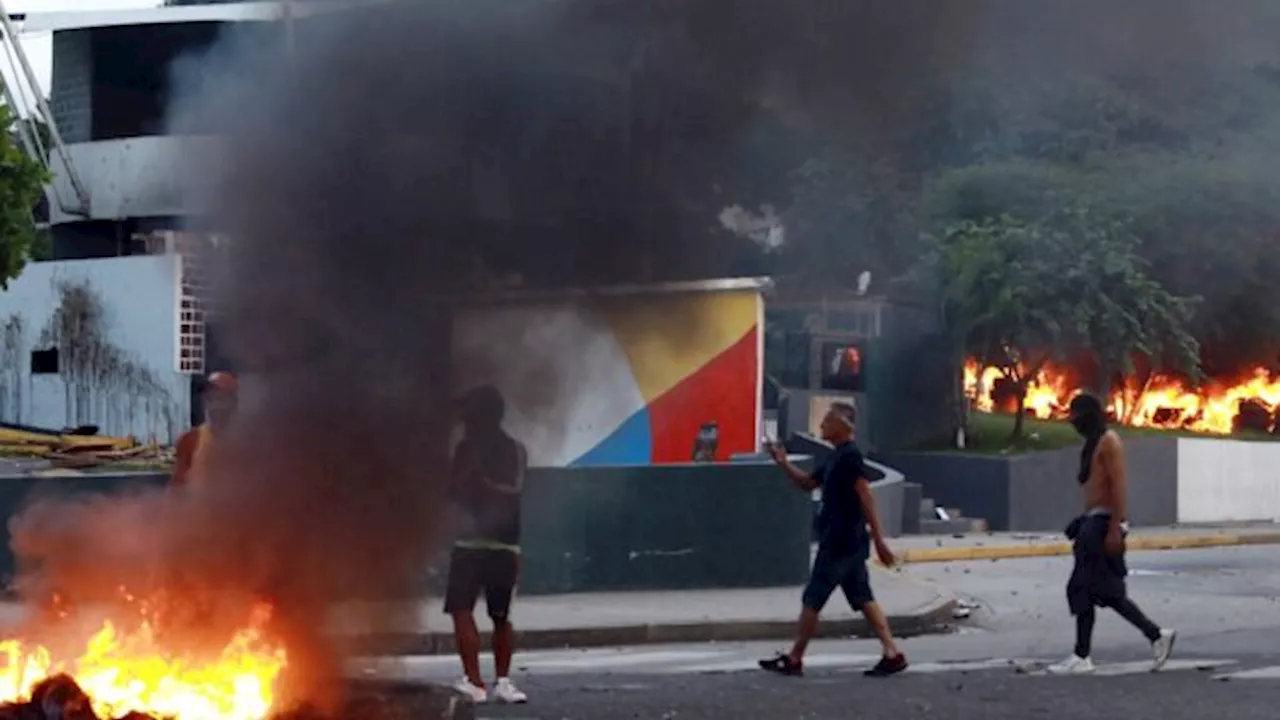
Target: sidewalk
x,y
634,618
992,546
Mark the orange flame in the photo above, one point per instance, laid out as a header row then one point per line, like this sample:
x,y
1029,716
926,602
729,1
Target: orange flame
x,y
124,672
1165,403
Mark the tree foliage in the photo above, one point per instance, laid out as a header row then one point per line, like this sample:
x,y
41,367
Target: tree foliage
x,y
1017,294
1116,311
1155,189
1001,300
21,184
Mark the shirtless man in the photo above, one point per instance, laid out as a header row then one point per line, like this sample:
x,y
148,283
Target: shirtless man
x,y
1098,578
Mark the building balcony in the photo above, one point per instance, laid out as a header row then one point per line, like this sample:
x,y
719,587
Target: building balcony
x,y
138,177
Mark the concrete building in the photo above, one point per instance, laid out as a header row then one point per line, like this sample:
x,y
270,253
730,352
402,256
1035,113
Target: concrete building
x,y
115,74
111,331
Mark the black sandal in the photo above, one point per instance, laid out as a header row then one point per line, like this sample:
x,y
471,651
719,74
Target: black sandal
x,y
782,664
888,666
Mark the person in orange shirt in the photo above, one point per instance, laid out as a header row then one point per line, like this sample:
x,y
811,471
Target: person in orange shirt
x,y
220,396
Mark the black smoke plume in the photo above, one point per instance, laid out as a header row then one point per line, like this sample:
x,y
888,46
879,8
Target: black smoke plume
x,y
386,163
384,167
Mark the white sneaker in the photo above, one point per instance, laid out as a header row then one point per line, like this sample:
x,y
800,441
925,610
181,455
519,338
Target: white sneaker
x,y
507,694
474,693
1074,665
1162,648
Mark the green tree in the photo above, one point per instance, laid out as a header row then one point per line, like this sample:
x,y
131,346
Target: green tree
x,y
21,183
1118,311
1001,300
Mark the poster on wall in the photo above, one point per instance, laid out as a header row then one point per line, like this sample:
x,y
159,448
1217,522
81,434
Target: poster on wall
x,y
621,380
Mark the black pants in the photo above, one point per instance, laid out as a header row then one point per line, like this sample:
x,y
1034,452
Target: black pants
x,y
1098,580
480,570
1097,577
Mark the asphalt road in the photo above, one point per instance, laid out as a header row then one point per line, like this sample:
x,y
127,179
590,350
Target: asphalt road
x,y
990,695
1224,602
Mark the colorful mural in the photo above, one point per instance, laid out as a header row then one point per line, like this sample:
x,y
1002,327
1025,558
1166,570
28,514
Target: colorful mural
x,y
623,379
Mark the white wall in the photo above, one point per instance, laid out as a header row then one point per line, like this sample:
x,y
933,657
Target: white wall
x,y
1228,480
134,389
144,176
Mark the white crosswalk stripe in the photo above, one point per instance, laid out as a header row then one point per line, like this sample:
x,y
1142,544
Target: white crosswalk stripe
x,y
712,659
1271,672
1143,666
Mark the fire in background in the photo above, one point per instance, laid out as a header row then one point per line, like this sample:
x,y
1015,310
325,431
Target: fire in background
x,y
1220,407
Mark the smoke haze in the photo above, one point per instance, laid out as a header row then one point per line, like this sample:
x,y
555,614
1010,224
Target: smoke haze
x,y
406,157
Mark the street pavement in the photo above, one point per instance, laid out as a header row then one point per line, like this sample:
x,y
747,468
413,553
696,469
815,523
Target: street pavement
x,y
1004,545
1224,602
602,619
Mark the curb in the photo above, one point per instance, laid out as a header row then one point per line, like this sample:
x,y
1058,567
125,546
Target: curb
x,y
935,619
1051,549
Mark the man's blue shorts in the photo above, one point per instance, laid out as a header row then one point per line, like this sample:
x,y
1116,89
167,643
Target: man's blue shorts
x,y
847,571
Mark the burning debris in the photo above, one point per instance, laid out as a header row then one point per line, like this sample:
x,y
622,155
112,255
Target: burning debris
x,y
1220,407
138,673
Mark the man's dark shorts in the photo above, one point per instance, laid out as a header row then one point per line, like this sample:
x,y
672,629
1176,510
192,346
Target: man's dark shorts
x,y
476,570
847,571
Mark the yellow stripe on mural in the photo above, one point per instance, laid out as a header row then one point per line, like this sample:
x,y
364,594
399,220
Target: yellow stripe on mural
x,y
668,337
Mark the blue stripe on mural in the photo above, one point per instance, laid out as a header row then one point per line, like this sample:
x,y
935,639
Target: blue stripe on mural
x,y
630,444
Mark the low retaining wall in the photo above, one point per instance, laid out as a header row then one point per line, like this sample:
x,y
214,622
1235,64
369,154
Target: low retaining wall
x,y
1227,481
18,490
653,527
1038,492
662,527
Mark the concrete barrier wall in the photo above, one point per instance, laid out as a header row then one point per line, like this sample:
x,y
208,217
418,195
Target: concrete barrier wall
x,y
977,484
1039,492
891,499
18,491
596,529
1227,480
663,527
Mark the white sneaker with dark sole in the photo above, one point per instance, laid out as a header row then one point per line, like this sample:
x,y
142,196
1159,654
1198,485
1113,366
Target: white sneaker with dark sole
x,y
474,693
1162,648
506,693
1074,665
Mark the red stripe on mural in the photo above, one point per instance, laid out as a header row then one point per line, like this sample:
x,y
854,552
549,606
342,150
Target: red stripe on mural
x,y
723,390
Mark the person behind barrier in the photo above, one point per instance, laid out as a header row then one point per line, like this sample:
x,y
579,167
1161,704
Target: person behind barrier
x,y
194,447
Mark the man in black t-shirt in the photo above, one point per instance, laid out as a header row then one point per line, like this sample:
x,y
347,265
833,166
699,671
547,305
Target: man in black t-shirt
x,y
848,527
488,475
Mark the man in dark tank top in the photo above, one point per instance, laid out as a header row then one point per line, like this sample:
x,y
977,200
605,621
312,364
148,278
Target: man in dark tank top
x,y
487,478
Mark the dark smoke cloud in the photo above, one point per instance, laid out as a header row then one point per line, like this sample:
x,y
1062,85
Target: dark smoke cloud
x,y
401,160
406,157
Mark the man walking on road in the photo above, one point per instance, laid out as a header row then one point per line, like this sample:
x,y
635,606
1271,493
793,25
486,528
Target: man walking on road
x,y
848,509
488,475
1098,576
